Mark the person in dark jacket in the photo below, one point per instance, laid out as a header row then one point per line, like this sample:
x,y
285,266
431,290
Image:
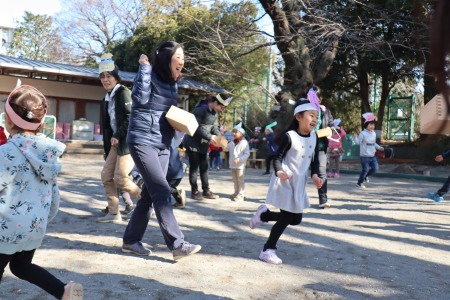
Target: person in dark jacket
x,y
325,120
115,110
272,148
206,113
155,90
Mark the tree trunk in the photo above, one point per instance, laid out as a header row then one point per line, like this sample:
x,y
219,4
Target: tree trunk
x,y
385,90
298,75
364,87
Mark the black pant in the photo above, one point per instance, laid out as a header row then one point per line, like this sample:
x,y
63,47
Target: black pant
x,y
173,184
21,266
269,159
283,219
444,189
198,161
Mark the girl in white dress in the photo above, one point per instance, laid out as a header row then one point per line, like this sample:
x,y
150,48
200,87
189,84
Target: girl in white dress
x,y
297,151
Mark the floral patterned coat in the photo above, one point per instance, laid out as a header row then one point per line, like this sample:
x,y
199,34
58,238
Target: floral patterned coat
x,y
29,195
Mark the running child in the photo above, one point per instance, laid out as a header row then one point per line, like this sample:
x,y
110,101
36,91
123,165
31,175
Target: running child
x,y
297,151
367,148
438,196
29,195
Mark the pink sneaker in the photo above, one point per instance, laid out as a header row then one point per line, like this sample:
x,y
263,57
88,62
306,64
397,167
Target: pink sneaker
x,y
255,221
270,256
330,174
336,175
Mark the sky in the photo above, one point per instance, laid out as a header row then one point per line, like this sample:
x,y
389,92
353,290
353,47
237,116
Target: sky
x,y
10,10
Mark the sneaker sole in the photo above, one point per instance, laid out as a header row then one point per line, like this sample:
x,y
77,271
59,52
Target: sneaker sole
x,y
269,262
109,221
189,254
325,206
137,253
76,292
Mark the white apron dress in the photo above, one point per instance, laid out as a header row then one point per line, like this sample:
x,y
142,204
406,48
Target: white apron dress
x,y
290,195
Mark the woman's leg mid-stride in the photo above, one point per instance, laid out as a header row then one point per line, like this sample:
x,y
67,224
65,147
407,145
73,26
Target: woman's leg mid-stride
x,y
21,265
152,164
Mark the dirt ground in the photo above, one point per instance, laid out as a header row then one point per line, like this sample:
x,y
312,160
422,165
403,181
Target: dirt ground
x,y
386,242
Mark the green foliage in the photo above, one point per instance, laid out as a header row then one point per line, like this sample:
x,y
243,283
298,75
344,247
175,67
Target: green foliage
x,y
384,41
216,41
34,38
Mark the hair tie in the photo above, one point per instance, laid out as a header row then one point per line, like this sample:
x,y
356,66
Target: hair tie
x,y
29,114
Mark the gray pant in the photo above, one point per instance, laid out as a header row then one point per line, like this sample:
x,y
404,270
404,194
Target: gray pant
x,y
323,174
152,163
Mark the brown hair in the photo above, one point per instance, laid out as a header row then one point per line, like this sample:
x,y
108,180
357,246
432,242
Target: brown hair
x,y
29,104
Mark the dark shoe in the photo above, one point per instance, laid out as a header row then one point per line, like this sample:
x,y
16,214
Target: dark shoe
x,y
185,249
128,209
136,248
105,210
266,173
196,195
210,195
180,198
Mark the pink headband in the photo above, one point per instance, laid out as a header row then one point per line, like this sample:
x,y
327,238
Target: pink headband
x,y
15,118
368,117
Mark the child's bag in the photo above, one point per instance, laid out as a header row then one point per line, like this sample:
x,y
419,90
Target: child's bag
x,y
387,153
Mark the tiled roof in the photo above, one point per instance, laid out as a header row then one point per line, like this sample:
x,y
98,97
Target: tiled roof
x,y
81,71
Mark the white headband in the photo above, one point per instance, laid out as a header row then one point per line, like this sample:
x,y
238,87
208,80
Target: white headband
x,y
303,107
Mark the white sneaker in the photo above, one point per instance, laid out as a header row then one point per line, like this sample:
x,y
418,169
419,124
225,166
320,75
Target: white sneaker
x,y
361,185
324,205
110,218
270,256
256,219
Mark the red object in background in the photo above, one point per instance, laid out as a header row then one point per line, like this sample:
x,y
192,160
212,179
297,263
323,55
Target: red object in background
x,y
2,136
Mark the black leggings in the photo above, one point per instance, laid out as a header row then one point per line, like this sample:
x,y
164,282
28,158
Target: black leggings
x,y
283,219
21,266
